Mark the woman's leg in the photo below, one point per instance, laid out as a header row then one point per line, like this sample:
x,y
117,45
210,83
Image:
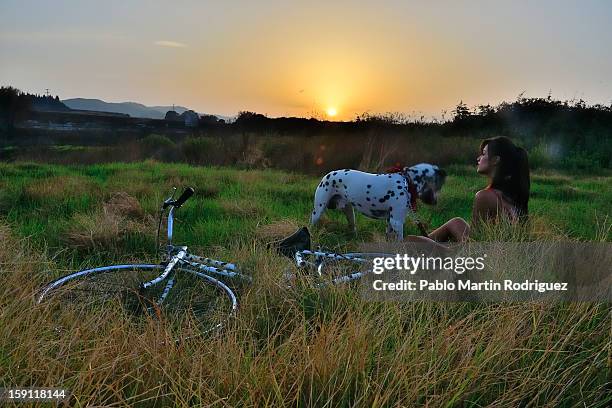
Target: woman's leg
x,y
428,244
455,229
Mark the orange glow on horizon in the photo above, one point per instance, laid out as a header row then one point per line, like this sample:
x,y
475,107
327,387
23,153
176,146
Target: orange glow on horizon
x,y
306,59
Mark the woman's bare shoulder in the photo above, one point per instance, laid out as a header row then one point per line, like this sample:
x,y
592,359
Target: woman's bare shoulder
x,y
485,206
486,197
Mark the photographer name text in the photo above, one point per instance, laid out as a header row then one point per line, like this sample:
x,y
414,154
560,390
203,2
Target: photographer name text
x,y
424,285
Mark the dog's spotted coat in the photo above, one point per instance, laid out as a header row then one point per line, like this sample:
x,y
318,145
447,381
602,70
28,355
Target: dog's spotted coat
x,y
382,196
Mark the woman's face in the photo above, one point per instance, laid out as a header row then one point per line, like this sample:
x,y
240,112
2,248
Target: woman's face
x,y
485,164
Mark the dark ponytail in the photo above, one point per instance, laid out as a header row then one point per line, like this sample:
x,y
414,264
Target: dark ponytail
x,y
512,173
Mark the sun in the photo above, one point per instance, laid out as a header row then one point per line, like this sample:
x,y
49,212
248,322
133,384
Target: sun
x,y
331,111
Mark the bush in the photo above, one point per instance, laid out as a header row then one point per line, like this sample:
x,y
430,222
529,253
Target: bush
x,y
157,146
584,161
283,154
539,157
201,150
154,141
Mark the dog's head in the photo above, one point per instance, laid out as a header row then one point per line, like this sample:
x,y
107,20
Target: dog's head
x,y
428,180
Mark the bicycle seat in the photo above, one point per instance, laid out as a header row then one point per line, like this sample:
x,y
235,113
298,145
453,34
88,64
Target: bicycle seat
x,y
298,241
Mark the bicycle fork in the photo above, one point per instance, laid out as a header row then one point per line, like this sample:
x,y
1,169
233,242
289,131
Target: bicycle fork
x,y
182,253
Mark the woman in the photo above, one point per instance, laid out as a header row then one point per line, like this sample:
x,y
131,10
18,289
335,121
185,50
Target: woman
x,y
507,194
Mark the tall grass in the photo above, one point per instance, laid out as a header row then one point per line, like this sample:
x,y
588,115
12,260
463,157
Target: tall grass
x,y
316,154
289,346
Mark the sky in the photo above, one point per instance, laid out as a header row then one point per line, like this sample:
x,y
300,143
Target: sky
x,y
309,58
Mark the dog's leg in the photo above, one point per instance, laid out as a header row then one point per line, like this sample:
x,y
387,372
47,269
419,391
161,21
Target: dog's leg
x,y
350,216
398,228
389,229
396,222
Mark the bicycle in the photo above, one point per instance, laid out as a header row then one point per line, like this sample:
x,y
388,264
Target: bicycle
x,y
298,247
206,302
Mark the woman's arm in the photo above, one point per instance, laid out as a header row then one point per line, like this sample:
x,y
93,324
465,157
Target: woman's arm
x,y
456,229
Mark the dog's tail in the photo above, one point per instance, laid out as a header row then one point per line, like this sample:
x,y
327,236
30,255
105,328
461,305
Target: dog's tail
x,y
321,199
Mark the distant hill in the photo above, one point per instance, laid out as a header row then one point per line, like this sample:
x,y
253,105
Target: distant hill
x,y
136,110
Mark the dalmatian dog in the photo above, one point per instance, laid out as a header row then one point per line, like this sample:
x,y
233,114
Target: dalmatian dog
x,y
388,196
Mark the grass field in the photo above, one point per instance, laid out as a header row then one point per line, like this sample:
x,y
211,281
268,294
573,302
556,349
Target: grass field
x,y
287,347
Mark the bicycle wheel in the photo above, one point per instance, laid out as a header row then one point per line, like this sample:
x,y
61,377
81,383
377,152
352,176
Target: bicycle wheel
x,y
187,300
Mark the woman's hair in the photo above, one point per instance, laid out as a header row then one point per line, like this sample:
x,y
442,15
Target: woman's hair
x,y
511,176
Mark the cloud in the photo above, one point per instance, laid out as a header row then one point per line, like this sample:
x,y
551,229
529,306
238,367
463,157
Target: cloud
x,y
172,44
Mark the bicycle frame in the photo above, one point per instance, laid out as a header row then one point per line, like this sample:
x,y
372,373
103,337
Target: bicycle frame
x,y
179,256
322,258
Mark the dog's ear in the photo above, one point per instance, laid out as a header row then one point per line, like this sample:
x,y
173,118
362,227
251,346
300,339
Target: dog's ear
x,y
441,173
428,196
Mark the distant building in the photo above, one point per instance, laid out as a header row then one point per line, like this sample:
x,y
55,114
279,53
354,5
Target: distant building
x,y
173,116
190,118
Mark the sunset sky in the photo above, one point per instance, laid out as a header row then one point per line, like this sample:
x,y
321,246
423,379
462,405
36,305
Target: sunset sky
x,y
289,58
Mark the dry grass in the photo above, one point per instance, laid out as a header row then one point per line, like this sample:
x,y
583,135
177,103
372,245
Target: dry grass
x,y
551,178
123,204
254,157
134,187
276,230
537,228
603,230
6,237
120,216
59,187
293,346
241,208
542,230
134,182
94,231
302,347
248,177
285,178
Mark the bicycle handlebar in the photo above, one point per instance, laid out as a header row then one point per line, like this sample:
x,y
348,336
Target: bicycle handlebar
x,y
171,202
179,201
184,197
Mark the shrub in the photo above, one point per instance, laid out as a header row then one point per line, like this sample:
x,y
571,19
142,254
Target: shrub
x,y
539,157
580,160
155,141
157,146
281,153
201,150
